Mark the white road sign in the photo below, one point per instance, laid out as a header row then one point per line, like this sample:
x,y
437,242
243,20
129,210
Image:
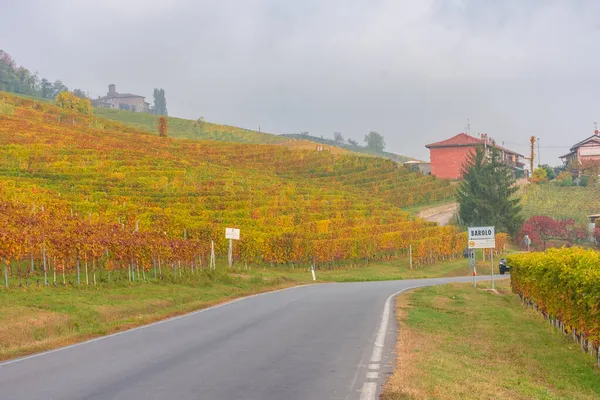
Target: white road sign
x,y
232,233
482,237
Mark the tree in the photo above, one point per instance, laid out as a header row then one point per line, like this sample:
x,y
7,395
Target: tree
x,y
550,171
200,122
69,101
352,142
46,89
58,87
163,128
80,93
160,102
375,141
338,138
541,229
540,175
486,196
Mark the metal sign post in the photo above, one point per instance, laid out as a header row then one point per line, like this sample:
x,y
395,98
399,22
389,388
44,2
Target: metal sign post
x,y
231,234
527,241
472,263
483,237
213,264
492,260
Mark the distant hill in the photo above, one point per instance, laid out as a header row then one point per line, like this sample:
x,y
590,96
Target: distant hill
x,y
202,130
348,146
189,129
19,80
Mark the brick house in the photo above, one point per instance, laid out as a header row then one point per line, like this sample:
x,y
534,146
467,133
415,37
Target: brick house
x,y
585,154
122,101
448,156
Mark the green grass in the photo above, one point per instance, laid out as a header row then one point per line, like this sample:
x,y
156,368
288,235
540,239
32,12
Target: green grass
x,y
456,342
189,129
392,270
561,202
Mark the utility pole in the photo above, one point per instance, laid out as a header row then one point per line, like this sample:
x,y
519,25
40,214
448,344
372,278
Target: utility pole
x,y
539,158
532,156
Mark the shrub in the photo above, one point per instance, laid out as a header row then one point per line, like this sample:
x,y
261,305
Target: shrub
x,y
564,284
69,101
564,179
540,175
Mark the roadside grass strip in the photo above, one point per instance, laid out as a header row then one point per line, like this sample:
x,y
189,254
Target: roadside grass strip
x,y
457,342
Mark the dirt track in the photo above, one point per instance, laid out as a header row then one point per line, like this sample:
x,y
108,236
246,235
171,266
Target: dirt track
x,y
441,214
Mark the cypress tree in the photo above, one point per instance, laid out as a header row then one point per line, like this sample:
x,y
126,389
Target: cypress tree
x,y
487,194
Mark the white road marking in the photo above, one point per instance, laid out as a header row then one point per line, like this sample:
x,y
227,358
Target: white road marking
x,y
377,353
373,366
368,391
146,326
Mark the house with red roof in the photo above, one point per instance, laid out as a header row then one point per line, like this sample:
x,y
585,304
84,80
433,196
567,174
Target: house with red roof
x,y
448,156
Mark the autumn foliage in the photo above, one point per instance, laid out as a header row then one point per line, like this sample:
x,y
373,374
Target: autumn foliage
x,y
542,229
565,285
163,128
69,101
86,191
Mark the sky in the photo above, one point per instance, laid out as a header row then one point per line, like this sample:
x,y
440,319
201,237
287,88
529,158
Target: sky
x,y
414,71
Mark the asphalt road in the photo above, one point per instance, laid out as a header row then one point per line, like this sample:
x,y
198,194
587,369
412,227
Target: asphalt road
x,y
328,341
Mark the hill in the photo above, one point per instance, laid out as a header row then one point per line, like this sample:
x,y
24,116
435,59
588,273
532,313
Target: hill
x,y
202,130
348,146
77,186
189,129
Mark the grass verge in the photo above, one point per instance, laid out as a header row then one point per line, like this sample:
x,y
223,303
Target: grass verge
x,y
392,270
456,342
34,319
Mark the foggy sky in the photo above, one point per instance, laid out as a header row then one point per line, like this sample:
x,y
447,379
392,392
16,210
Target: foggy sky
x,y
412,70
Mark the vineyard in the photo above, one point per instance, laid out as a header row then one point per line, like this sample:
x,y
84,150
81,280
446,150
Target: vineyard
x,y
565,286
81,193
561,202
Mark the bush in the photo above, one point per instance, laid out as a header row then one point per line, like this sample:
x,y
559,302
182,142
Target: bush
x,y
564,179
540,175
564,284
541,229
69,101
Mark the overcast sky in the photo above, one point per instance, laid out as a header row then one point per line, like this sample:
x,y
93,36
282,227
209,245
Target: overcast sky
x,y
412,70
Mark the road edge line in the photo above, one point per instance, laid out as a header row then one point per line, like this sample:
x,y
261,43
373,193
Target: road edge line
x,y
369,389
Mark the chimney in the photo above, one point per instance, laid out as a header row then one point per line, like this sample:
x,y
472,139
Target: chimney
x,y
112,89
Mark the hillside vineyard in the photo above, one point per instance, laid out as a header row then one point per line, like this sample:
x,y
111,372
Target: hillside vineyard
x,y
77,188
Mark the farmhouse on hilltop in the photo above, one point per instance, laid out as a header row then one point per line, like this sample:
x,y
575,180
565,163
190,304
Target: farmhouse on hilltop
x,y
122,101
448,156
585,154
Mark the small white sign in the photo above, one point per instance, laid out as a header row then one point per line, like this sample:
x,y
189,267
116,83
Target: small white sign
x,y
232,233
482,237
482,244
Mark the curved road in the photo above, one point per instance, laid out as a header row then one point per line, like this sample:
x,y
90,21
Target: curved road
x,y
327,341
